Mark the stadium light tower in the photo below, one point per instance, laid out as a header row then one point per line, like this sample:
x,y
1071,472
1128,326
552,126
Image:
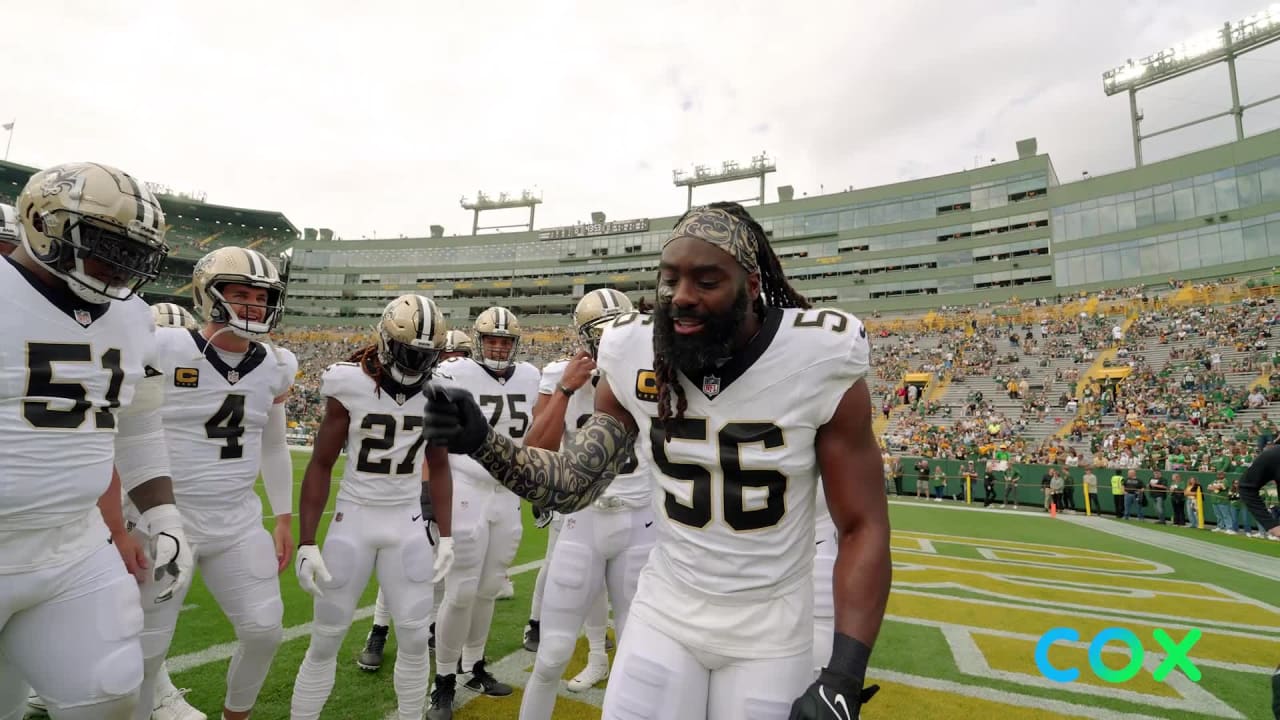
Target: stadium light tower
x,y
1221,45
761,165
483,202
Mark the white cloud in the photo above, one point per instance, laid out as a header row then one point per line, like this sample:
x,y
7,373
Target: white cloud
x,y
378,119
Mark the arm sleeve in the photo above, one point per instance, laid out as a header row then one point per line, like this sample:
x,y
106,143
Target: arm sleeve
x,y
277,464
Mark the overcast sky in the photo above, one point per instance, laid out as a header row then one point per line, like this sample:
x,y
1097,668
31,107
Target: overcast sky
x,y
377,120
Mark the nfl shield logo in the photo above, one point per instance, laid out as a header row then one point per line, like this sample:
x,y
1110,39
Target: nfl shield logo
x,y
400,398
233,377
710,385
83,317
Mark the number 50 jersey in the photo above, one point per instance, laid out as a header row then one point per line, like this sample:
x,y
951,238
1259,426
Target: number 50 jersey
x,y
737,475
214,414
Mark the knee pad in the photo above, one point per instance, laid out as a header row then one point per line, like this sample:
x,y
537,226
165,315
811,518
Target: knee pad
x,y
340,559
260,629
461,591
467,551
117,675
555,650
326,640
488,587
412,639
418,560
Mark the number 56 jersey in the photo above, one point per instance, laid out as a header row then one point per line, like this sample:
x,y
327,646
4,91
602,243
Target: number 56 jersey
x,y
215,409
732,569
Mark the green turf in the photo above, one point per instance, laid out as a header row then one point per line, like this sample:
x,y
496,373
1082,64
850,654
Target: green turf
x,y
902,647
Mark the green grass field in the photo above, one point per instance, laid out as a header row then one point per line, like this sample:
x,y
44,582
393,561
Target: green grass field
x,y
972,593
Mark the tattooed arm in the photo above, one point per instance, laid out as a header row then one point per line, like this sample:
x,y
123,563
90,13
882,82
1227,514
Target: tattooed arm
x,y
564,481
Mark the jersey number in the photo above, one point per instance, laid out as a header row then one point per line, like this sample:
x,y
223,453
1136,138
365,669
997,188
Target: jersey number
x,y
514,413
40,383
386,442
629,464
228,424
729,442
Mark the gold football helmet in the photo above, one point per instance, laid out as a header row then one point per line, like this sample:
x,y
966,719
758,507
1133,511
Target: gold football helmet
x,y
95,227
459,343
594,311
239,266
411,336
173,315
10,229
502,323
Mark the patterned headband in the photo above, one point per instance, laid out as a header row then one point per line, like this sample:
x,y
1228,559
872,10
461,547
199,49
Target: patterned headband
x,y
722,230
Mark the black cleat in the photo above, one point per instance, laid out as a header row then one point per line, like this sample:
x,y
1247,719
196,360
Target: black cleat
x,y
370,658
442,698
531,636
482,681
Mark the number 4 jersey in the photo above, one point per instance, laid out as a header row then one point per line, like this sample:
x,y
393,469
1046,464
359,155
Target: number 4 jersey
x,y
737,476
508,403
215,409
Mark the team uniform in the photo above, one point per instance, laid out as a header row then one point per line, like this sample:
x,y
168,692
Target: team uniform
x,y
826,543
215,411
69,613
604,544
721,625
486,516
377,527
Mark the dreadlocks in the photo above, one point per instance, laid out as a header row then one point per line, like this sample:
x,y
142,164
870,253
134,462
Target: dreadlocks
x,y
775,291
368,360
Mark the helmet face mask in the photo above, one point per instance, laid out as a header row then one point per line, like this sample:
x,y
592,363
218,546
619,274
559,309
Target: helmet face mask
x,y
594,311
411,338
497,322
94,227
229,266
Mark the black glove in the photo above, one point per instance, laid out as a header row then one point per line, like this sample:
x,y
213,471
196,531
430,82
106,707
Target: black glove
x,y
832,697
452,419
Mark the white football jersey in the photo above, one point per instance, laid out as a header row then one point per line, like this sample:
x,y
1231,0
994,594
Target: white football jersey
x,y
66,368
738,474
215,410
824,526
384,436
634,485
507,403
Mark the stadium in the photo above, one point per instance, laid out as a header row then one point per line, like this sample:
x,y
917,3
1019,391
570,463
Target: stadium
x,y
1035,343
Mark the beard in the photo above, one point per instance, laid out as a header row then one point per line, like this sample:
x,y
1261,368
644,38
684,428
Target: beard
x,y
708,348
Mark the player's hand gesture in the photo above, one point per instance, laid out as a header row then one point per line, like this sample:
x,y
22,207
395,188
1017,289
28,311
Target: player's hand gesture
x,y
172,558
578,372
310,569
283,536
452,419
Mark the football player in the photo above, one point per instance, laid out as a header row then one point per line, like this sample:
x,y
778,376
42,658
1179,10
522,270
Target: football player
x,y
606,543
486,516
224,419
747,397
824,564
457,344
10,229
78,396
372,409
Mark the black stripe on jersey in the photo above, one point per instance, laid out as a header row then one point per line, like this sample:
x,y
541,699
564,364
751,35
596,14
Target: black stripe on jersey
x,y
252,359
740,363
64,301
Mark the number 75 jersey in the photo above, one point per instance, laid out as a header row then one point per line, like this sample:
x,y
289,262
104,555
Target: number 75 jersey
x,y
506,402
738,473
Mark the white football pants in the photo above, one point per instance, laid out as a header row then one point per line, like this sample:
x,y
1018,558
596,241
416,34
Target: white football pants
x,y
71,632
382,614
363,540
824,608
596,548
241,575
486,534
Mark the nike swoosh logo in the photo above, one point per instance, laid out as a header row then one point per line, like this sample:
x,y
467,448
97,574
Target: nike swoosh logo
x,y
831,704
648,523
416,518
819,542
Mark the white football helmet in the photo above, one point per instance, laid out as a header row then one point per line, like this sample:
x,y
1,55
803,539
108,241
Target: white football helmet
x,y
240,266
10,229
594,311
168,314
497,322
411,337
95,227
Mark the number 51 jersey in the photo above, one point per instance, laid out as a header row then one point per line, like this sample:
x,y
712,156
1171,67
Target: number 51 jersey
x,y
737,476
214,414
